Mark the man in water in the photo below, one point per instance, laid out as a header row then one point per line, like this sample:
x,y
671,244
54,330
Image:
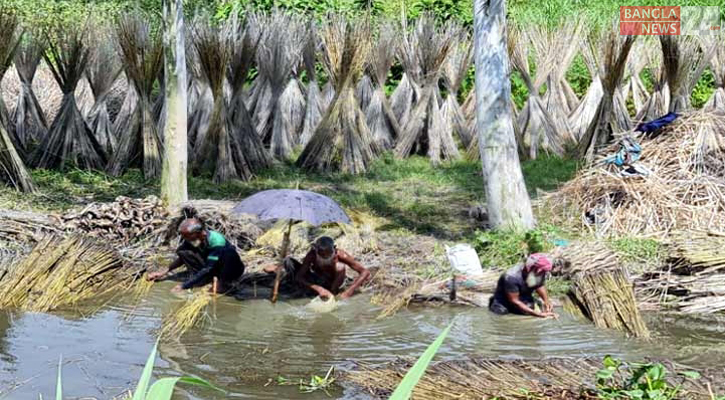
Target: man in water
x,y
515,289
207,254
320,272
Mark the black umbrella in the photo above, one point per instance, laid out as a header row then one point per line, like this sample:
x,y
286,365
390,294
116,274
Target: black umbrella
x,y
293,205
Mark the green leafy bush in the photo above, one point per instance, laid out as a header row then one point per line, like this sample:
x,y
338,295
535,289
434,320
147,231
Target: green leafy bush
x,y
618,380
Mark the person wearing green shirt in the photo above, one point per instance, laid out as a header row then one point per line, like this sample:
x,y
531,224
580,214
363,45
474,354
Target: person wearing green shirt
x,y
207,254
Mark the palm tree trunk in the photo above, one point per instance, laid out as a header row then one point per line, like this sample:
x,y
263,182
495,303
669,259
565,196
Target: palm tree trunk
x,y
175,158
509,206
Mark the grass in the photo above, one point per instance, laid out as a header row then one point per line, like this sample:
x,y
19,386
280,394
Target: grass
x,y
411,194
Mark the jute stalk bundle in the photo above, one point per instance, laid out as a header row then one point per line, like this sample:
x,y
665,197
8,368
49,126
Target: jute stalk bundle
x,y
12,168
28,120
581,117
62,272
424,131
684,59
342,141
142,55
685,190
407,93
70,142
313,104
658,102
611,113
560,47
538,130
454,71
633,84
104,67
717,100
364,90
379,115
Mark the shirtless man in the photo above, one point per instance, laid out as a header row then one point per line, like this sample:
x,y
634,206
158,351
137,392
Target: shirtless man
x,y
320,272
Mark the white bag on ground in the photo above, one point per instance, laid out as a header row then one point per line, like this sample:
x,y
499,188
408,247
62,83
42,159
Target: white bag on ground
x,y
464,259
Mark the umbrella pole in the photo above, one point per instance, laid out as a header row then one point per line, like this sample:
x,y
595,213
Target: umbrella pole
x,y
280,267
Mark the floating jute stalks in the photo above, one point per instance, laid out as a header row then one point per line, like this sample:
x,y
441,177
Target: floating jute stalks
x,y
60,272
186,316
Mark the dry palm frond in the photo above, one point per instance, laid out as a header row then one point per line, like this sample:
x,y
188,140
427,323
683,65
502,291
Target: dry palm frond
x,y
380,118
561,47
685,59
103,69
28,120
537,127
454,71
313,105
218,151
279,52
582,116
342,141
424,131
59,272
717,100
12,168
142,55
245,40
684,191
611,113
190,313
70,142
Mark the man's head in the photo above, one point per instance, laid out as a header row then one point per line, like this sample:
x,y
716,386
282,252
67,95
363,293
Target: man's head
x,y
536,267
192,230
325,247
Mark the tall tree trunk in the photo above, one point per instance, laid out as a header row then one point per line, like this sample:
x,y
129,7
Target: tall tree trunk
x,y
175,158
509,206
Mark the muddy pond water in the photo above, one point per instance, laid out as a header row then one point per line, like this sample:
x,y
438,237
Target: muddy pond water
x,y
245,346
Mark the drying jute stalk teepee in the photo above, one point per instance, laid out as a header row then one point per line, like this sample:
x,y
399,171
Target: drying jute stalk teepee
x,y
313,104
28,123
717,100
684,59
103,69
379,115
584,113
455,70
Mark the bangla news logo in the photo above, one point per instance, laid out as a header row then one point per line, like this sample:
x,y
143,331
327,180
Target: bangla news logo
x,y
669,20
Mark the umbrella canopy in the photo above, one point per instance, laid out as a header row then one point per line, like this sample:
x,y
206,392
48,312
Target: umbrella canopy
x,y
299,205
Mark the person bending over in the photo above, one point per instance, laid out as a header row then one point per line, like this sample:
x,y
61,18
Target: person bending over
x,y
207,254
515,289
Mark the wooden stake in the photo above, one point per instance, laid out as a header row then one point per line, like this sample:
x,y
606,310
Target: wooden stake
x,y
283,255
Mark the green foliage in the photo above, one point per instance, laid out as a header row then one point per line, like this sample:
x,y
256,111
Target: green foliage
x,y
548,172
648,381
411,378
501,249
637,249
315,383
703,90
578,76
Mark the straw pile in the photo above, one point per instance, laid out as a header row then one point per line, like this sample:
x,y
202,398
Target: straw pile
x,y
692,280
186,316
60,272
476,377
685,191
122,221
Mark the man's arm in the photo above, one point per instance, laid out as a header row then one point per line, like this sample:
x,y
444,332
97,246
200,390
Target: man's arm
x,y
541,291
363,273
198,277
158,275
513,297
302,273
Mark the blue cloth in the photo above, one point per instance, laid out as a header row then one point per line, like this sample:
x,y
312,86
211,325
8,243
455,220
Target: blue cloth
x,y
651,126
629,152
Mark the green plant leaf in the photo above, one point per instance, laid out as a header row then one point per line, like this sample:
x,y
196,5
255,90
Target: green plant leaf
x,y
634,394
605,374
656,372
163,389
411,378
59,382
691,374
143,383
611,362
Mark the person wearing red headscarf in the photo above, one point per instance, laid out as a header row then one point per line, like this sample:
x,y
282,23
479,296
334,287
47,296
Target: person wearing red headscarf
x,y
516,287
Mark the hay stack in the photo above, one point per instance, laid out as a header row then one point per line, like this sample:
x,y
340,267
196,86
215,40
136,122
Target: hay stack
x,y
685,190
12,168
685,59
279,53
611,115
142,54
28,124
379,114
582,116
424,131
560,47
454,72
342,141
70,142
245,40
538,130
313,104
61,272
103,70
717,100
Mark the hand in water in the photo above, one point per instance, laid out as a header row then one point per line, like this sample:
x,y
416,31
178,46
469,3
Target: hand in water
x,y
550,314
155,276
548,307
177,289
324,293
